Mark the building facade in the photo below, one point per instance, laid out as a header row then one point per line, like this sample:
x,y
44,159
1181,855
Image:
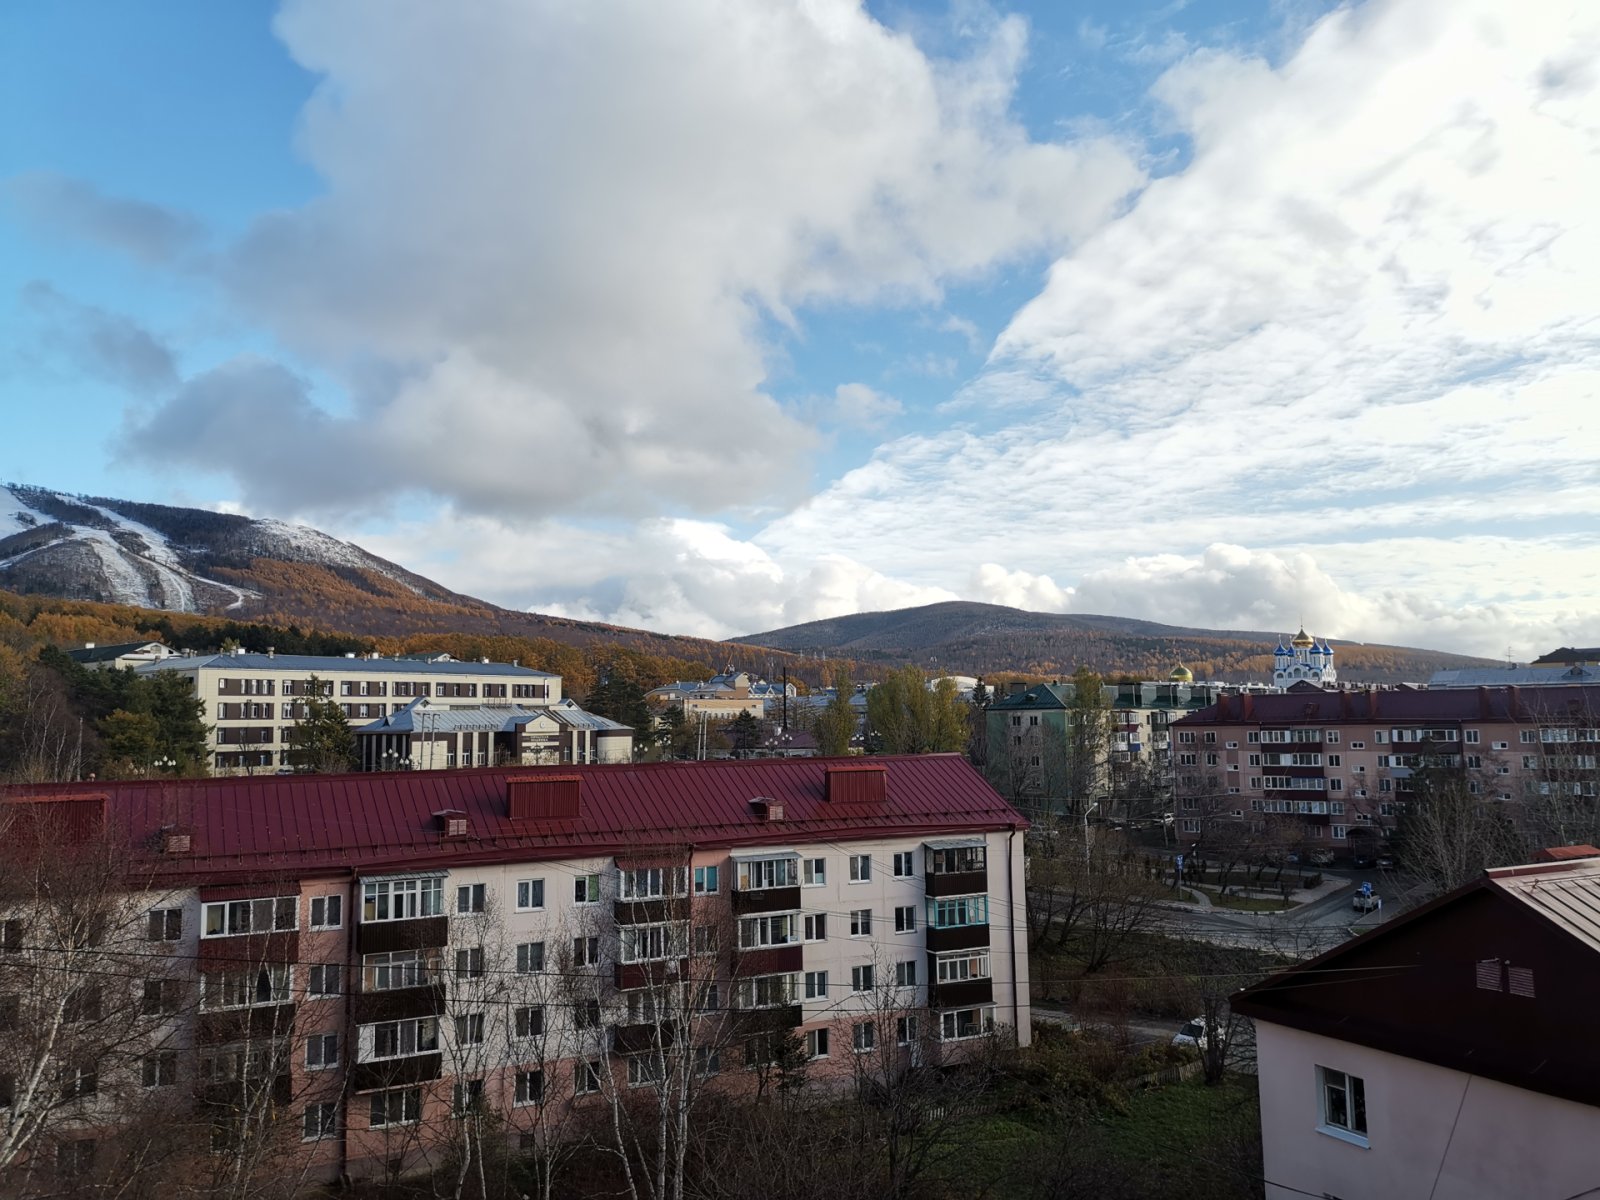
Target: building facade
x,y
252,701
385,953
1329,765
422,737
1444,1054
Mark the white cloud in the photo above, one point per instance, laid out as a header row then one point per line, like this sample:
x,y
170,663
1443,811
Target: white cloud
x,y
859,406
993,584
550,237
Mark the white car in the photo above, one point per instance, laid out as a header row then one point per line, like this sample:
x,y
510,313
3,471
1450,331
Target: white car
x,y
1364,902
1192,1034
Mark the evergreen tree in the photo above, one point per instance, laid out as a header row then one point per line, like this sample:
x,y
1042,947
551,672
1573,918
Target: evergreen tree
x,y
836,724
618,697
322,740
745,733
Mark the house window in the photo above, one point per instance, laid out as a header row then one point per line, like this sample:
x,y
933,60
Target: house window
x,y
76,1157
266,984
757,874
322,1051
775,930
402,1039
817,1043
905,919
954,860
1339,831
645,1068
815,927
652,943
861,922
586,1014
325,979
327,912
319,1121
530,1088
705,881
470,898
586,951
529,1020
863,1036
706,940
159,1070
530,958
469,962
165,925
957,1024
905,1030
816,872
816,985
651,883
586,889
79,1080
399,1106
234,918
860,868
903,868
861,978
402,899
398,969
469,1029
586,1078
1344,1105
905,973
530,895
161,996
765,991
958,911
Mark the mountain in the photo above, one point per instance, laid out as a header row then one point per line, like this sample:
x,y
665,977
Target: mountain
x,y
968,638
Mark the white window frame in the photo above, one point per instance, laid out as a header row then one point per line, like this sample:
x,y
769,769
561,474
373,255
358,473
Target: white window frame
x,y
814,927
330,904
402,899
860,922
322,1051
905,918
232,914
816,872
816,986
861,868
863,978
586,888
527,889
903,865
1329,1081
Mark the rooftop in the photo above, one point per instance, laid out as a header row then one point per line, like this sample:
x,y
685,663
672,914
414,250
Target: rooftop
x,y
91,654
334,664
1312,706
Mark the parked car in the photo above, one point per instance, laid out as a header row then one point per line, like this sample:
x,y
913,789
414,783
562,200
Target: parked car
x,y
1322,858
1192,1034
1386,862
1365,902
1362,858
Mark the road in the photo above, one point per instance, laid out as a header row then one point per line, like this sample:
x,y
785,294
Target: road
x,y
1141,1031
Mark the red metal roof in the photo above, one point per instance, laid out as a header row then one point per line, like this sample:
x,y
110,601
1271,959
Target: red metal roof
x,y
1397,705
303,823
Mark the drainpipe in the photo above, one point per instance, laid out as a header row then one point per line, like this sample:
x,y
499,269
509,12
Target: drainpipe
x,y
1011,905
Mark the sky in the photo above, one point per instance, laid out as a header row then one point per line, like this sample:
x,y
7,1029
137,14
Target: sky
x,y
715,317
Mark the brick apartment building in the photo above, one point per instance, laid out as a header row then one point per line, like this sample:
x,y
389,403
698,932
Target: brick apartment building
x,y
375,954
1338,763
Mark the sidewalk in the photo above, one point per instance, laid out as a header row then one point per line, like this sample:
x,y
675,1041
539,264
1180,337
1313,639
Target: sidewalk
x,y
1201,902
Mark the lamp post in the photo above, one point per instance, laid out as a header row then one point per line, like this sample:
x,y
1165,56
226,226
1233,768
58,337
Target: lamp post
x,y
164,763
1086,813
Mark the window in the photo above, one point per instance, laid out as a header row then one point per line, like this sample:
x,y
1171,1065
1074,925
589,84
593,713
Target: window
x,y
815,927
905,1030
325,979
234,918
470,898
816,1043
399,1106
902,867
322,1051
705,939
645,1068
651,883
708,997
530,1088
586,1014
959,910
707,1060
1472,737
398,969
953,860
705,881
402,1039
530,958
530,895
816,872
775,930
469,1029
528,1021
586,951
1358,745
765,991
651,943
267,984
165,925
161,997
958,968
860,868
1191,826
327,912
863,1036
586,1078
319,1121
76,1157
905,919
1331,737
861,978
469,962
1340,831
159,1070
1344,1105
402,899
1527,735
586,889
816,985
861,922
756,874
965,1023
79,1080
905,973
466,1097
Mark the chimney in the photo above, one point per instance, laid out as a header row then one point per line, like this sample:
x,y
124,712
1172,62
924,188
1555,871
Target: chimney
x,y
175,841
272,652
544,798
765,808
861,785
1018,687
453,823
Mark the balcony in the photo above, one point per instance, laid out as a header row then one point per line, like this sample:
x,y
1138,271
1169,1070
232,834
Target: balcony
x,y
748,1022
957,937
631,976
765,900
422,933
264,1021
957,883
965,994
768,960
650,912
396,1072
233,1095
641,1036
397,1004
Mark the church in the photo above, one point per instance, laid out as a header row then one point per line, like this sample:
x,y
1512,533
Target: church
x,y
1303,660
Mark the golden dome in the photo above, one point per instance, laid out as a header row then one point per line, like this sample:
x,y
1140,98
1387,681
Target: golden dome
x,y
1303,638
1181,674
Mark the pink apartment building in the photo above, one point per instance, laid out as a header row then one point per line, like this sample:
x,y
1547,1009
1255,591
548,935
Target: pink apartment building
x,y
371,956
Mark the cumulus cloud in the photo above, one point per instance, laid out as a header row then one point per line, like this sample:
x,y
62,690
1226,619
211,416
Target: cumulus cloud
x,y
993,584
149,232
566,266
861,407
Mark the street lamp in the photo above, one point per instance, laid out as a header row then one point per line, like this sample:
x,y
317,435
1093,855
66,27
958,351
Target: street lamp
x,y
164,763
1086,813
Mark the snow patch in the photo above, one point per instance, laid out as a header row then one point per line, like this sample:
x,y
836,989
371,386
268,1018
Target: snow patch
x,y
17,517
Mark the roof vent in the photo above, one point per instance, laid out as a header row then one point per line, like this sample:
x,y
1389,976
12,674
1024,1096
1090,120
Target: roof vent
x,y
861,785
175,841
453,823
544,798
765,808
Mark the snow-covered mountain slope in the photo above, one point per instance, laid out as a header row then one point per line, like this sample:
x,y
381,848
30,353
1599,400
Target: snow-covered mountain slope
x,y
181,559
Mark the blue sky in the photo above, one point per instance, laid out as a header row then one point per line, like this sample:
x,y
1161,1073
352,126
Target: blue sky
x,y
712,318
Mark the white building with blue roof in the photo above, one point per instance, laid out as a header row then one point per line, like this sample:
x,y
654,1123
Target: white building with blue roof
x,y
1303,660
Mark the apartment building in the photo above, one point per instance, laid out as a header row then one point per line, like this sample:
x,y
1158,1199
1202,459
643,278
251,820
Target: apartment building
x,y
1337,764
425,737
253,700
724,696
382,953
